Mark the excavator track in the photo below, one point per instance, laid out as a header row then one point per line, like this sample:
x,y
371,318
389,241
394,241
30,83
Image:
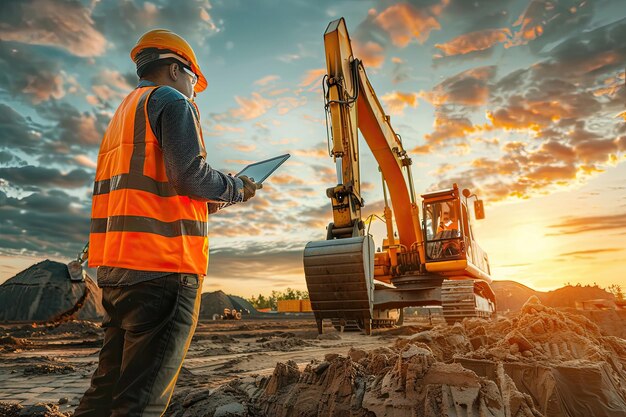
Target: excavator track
x,y
459,299
357,325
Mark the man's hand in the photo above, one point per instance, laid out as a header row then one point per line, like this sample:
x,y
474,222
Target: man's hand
x,y
249,187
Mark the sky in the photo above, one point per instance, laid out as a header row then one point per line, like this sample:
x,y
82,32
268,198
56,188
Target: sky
x,y
521,101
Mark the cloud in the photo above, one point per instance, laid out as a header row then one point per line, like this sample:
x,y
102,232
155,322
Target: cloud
x,y
269,79
7,157
588,252
251,108
286,179
542,21
219,129
286,104
73,126
478,15
244,147
85,161
587,55
67,25
584,224
371,53
124,21
29,75
312,76
30,175
319,151
257,262
109,86
405,22
46,223
449,127
396,101
468,88
550,102
16,131
474,41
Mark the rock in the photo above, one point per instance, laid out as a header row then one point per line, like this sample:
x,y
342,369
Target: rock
x,y
63,400
329,336
516,337
284,374
231,410
357,354
41,410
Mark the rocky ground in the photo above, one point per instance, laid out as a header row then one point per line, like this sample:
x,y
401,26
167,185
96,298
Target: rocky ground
x,y
538,362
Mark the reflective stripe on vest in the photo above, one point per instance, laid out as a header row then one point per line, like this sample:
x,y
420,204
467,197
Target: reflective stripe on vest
x,y
138,219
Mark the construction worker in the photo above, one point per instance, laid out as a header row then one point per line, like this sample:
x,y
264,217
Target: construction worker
x,y
447,223
152,195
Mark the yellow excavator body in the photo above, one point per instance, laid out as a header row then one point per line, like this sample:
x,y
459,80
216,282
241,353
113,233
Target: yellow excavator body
x,y
425,260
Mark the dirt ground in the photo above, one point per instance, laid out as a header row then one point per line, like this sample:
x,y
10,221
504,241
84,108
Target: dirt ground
x,y
54,363
538,362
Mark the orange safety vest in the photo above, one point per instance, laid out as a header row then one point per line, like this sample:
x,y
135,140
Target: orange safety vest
x,y
138,221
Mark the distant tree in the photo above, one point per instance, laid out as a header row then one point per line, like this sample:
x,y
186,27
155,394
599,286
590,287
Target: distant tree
x,y
272,301
616,290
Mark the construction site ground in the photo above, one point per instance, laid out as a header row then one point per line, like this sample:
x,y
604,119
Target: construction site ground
x,y
49,364
280,367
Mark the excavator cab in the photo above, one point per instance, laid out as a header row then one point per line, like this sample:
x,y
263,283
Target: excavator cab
x,y
442,227
450,246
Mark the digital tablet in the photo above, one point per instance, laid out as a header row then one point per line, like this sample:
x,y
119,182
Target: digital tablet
x,y
259,171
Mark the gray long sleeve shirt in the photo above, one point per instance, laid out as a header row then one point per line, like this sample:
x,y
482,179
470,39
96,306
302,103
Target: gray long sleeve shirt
x,y
173,121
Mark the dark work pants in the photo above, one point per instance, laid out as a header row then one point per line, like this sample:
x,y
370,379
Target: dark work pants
x,y
147,331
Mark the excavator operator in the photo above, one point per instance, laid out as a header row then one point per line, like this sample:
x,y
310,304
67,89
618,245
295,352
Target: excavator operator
x,y
152,196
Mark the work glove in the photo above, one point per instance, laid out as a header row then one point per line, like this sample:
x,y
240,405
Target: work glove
x,y
249,187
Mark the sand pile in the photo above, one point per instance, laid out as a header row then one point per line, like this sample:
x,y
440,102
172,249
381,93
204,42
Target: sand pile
x,y
405,379
541,362
543,334
45,293
214,303
562,360
37,410
512,295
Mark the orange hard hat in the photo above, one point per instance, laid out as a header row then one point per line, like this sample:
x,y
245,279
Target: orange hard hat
x,y
163,39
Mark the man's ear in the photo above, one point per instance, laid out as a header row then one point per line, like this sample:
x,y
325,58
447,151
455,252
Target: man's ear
x,y
174,71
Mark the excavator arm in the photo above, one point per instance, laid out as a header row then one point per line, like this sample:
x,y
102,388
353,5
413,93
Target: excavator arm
x,y
353,104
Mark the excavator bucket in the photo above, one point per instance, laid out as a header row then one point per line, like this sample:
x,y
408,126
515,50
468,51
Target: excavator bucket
x,y
75,270
340,278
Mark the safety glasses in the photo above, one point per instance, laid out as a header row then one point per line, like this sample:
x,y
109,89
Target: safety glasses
x,y
194,77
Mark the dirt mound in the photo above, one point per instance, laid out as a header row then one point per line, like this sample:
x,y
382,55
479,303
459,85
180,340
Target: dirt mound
x,y
45,293
540,362
49,368
387,382
541,333
78,327
37,410
548,353
286,344
9,343
512,295
610,322
215,302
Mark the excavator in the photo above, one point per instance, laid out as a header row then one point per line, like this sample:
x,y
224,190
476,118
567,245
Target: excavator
x,y
429,261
